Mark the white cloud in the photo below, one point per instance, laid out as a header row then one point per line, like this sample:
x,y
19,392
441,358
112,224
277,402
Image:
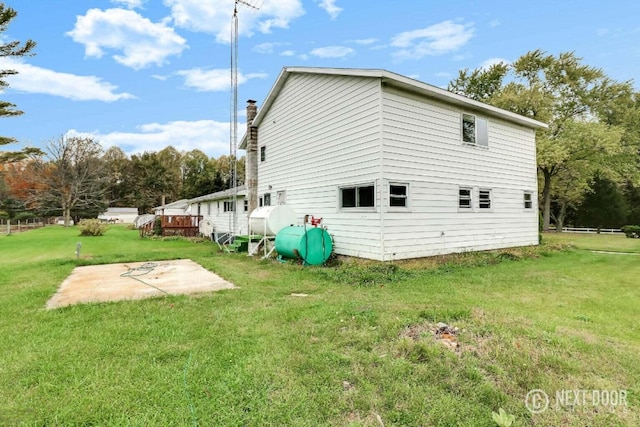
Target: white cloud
x,y
287,53
140,41
332,52
330,7
215,80
437,39
32,79
131,4
214,16
210,136
493,61
267,48
443,74
494,23
363,42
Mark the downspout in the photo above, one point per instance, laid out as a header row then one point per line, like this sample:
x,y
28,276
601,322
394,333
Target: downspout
x,y
251,169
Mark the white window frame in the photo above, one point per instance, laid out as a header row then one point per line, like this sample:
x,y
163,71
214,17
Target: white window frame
x,y
530,201
470,198
229,205
480,200
357,206
404,197
263,153
480,130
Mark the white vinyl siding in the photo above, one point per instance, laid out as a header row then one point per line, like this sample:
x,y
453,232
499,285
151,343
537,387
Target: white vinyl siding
x,y
422,145
323,133
221,216
326,133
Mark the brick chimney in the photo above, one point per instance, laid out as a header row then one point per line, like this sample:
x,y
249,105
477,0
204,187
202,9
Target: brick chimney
x,y
251,170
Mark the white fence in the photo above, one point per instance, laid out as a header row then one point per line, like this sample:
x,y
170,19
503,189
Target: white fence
x,y
588,230
13,226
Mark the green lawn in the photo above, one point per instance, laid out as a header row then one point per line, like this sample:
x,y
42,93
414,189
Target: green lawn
x,y
342,356
601,242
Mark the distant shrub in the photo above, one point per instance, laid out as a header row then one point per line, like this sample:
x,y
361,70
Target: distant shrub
x,y
21,216
4,214
631,231
157,226
92,227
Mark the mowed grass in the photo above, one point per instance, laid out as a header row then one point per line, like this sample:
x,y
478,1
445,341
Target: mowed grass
x,y
341,356
600,242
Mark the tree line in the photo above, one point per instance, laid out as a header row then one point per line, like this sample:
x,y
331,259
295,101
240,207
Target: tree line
x,y
75,178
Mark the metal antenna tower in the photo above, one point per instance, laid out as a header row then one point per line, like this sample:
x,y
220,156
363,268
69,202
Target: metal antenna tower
x,y
233,141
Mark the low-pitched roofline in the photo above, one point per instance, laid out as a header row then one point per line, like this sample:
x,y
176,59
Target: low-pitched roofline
x,y
395,80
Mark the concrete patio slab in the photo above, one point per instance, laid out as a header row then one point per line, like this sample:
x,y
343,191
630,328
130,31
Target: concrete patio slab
x,y
132,281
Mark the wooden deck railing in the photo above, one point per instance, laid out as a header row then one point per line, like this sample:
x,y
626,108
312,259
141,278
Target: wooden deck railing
x,y
175,225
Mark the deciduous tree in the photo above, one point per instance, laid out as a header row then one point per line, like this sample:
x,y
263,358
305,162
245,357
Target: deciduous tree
x,y
71,177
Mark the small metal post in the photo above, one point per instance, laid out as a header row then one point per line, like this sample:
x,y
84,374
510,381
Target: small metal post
x,y
78,246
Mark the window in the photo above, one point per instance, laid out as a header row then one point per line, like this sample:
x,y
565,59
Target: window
x,y
528,200
475,130
398,195
464,198
469,128
246,205
229,206
263,153
357,197
267,199
484,199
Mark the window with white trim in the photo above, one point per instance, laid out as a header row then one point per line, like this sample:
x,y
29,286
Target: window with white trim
x,y
246,205
229,206
475,130
263,153
398,195
267,199
528,200
362,196
484,198
464,198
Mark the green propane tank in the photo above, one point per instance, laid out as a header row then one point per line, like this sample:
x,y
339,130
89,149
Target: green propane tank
x,y
311,244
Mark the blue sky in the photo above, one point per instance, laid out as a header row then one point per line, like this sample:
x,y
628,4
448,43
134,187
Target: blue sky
x,y
144,74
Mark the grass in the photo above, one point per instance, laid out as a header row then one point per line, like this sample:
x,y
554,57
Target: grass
x,y
341,356
601,242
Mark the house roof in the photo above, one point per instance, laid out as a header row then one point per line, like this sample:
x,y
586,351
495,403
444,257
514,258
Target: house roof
x,y
394,80
132,211
242,191
178,204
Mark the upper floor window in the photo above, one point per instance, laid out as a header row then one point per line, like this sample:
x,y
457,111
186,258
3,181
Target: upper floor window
x,y
263,153
475,130
357,196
